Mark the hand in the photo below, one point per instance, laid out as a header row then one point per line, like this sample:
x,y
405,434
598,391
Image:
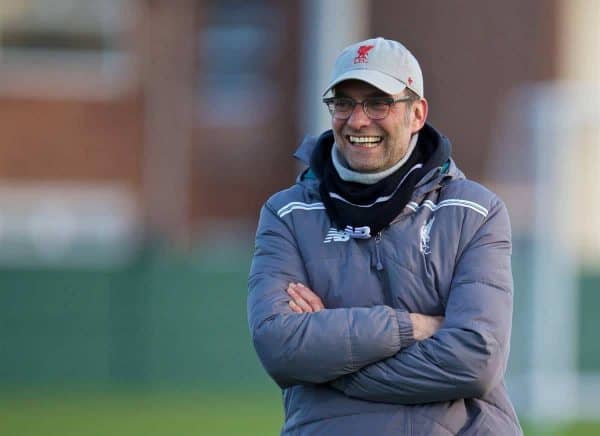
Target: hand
x,y
424,326
303,299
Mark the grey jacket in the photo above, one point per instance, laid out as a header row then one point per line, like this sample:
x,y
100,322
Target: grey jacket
x,y
353,368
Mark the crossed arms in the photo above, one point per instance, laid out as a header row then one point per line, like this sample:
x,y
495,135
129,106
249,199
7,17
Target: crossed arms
x,y
380,353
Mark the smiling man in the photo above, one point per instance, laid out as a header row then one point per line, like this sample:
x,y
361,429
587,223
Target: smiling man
x,y
377,138
380,292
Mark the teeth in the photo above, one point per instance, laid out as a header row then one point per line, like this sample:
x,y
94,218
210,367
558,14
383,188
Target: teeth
x,y
364,139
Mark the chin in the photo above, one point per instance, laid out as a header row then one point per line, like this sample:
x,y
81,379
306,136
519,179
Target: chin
x,y
365,167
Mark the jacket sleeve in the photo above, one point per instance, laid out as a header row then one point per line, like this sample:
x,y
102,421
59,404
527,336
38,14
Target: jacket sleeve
x,y
467,357
310,347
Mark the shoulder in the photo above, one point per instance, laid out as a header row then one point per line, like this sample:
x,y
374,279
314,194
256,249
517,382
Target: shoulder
x,y
484,214
471,195
300,196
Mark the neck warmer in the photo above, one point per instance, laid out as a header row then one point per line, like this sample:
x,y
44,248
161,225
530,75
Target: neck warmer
x,y
349,175
364,210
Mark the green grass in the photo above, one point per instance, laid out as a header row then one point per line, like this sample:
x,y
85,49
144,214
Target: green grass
x,y
571,429
141,413
148,413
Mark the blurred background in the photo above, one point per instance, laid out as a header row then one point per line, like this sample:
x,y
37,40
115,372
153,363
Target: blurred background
x,y
139,138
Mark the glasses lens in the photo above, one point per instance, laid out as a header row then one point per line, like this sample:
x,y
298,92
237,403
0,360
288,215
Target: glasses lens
x,y
377,108
341,107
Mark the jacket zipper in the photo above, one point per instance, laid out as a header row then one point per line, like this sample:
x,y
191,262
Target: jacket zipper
x,y
379,264
387,294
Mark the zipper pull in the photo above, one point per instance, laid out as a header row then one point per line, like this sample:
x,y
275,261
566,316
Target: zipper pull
x,y
379,265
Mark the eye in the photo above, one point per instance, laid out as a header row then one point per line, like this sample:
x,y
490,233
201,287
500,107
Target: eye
x,y
342,104
378,104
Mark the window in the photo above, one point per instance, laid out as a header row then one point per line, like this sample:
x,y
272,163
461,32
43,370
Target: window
x,y
64,48
238,51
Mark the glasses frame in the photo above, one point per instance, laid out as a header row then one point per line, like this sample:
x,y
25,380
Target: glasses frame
x,y
388,100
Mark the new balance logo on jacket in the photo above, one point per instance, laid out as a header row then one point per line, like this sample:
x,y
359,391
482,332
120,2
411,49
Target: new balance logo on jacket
x,y
334,235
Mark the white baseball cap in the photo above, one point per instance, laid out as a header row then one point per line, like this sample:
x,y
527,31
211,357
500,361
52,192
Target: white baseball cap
x,y
382,63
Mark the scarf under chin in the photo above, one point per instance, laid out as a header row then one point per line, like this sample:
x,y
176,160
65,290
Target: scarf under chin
x,y
364,210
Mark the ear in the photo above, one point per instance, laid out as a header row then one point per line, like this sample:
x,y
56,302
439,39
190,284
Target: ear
x,y
419,115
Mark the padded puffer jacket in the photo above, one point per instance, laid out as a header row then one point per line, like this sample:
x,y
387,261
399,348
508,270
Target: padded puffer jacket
x,y
353,368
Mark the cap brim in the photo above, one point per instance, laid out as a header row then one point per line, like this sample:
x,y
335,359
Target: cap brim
x,y
379,80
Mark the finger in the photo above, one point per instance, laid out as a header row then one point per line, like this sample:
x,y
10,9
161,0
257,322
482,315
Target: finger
x,y
293,286
308,296
303,287
312,298
294,307
301,302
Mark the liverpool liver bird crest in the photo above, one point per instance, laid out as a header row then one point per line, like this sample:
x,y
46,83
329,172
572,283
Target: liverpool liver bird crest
x,y
362,53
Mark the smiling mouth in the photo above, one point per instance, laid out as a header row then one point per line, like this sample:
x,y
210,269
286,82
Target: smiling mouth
x,y
364,141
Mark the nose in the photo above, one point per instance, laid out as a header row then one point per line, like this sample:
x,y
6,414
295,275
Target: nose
x,y
358,118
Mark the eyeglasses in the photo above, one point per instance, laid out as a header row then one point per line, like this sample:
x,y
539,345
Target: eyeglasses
x,y
376,108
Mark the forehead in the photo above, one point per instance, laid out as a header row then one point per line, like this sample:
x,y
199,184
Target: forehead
x,y
357,89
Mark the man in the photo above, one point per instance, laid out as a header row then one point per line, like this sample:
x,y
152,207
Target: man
x,y
380,292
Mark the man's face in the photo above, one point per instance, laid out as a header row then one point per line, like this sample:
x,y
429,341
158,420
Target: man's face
x,y
388,138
